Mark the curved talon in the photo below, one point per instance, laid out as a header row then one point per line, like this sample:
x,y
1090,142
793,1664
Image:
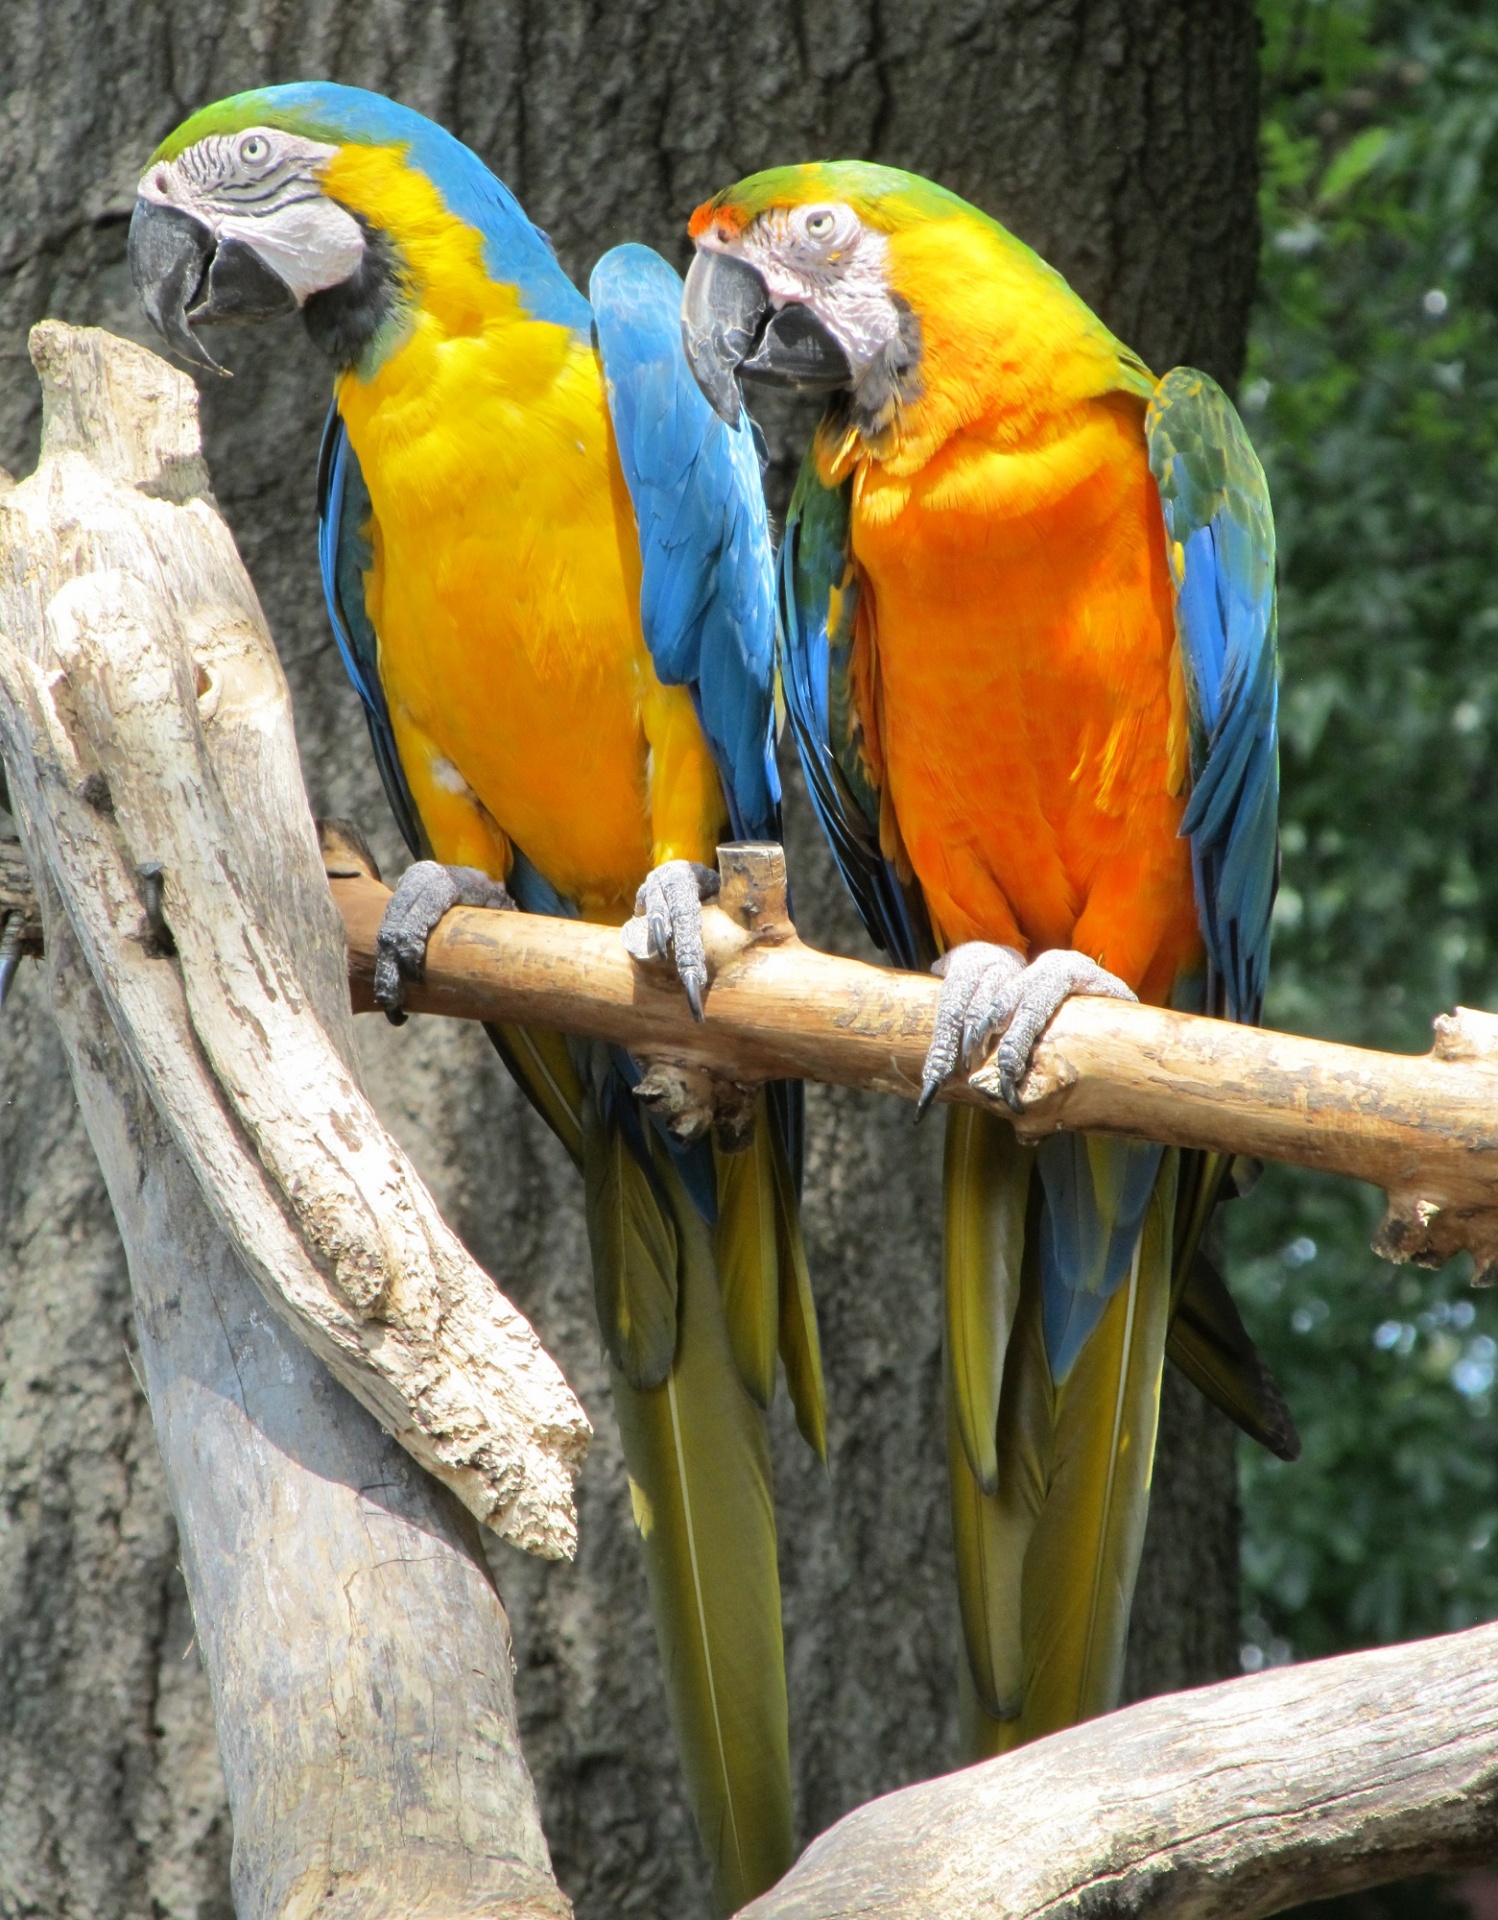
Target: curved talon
x,y
668,922
989,990
974,974
1046,985
425,892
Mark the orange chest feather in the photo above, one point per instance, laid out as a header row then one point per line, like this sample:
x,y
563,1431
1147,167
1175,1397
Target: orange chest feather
x,y
1018,676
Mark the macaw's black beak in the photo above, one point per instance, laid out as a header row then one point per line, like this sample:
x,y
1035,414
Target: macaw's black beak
x,y
186,279
731,329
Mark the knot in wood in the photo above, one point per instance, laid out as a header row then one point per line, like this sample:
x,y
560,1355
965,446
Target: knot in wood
x,y
688,1101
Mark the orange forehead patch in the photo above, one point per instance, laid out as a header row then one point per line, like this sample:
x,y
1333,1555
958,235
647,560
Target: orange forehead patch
x,y
725,221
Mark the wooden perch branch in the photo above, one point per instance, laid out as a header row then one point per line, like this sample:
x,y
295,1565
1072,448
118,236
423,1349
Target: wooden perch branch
x,y
147,736
1424,1128
1224,1804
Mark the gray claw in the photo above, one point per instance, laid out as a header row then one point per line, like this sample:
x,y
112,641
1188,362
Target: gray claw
x,y
1040,992
425,892
668,921
973,976
989,990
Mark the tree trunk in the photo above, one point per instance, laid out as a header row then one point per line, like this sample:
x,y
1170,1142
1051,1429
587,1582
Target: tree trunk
x,y
1116,135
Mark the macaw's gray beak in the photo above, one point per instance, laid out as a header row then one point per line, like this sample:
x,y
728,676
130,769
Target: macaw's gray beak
x,y
731,329
186,278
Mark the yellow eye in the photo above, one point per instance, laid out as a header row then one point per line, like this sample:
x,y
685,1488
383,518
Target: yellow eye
x,y
819,225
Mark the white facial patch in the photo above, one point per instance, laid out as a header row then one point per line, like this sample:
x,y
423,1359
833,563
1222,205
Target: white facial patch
x,y
263,188
825,259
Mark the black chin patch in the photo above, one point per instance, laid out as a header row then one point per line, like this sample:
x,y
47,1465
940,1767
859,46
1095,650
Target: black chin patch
x,y
344,321
894,379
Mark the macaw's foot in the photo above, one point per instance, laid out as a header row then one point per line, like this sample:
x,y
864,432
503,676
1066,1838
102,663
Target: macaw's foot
x,y
987,990
668,920
424,894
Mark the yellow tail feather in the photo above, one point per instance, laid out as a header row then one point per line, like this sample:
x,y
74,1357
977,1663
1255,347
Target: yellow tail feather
x,y
991,1532
1083,1557
747,1247
699,1469
800,1342
634,1247
543,1065
986,1183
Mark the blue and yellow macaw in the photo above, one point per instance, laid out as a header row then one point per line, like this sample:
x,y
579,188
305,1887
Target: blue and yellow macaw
x,y
1028,624
549,572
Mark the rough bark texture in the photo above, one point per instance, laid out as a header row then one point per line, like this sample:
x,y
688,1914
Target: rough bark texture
x,y
1118,136
1314,1780
355,1645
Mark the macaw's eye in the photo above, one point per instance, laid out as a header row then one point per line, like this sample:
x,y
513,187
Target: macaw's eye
x,y
254,149
819,225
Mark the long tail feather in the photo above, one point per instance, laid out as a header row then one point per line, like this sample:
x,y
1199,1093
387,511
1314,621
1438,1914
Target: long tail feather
x,y
1083,1558
800,1342
699,1469
998,1409
748,1251
634,1246
543,1065
1198,1187
1210,1344
986,1183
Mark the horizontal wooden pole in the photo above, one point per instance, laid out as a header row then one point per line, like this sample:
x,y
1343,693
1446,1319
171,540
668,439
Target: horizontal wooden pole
x,y
1422,1127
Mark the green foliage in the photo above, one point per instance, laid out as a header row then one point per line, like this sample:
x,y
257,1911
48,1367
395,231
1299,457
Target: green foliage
x,y
1372,393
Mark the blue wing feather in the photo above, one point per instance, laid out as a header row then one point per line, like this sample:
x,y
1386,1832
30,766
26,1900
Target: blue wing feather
x,y
1220,534
707,586
816,598
707,570
1221,544
343,552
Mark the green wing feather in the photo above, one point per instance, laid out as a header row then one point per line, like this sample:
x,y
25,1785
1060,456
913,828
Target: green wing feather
x,y
699,1468
1046,1562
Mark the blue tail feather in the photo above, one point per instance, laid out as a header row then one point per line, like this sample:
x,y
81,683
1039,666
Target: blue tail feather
x,y
1096,1192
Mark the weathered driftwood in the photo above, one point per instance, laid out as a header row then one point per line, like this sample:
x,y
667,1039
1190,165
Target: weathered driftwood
x,y
1225,1804
1424,1128
356,1649
358,1654
146,727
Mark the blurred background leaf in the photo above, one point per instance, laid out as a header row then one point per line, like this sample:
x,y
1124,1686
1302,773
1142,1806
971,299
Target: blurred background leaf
x,y
1372,393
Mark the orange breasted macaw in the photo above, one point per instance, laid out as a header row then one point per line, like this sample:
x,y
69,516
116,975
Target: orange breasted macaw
x,y
549,572
1028,644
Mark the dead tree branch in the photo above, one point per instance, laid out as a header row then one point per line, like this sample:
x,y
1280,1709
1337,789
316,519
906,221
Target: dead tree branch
x,y
356,1649
1224,1804
145,724
1424,1128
